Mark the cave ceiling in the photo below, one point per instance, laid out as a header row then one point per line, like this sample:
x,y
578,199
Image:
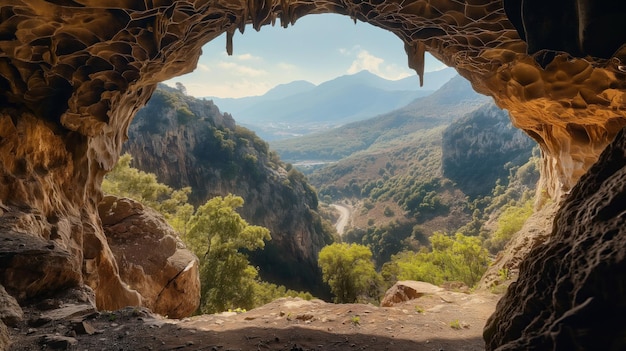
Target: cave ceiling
x,y
85,66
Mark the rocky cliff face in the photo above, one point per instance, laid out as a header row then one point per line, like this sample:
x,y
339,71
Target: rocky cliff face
x,y
74,73
570,291
483,141
188,142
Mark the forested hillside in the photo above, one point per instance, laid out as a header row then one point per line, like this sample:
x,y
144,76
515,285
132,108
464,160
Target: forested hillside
x,y
188,142
441,164
480,148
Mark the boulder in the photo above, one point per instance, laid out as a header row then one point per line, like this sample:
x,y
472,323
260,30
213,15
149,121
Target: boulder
x,y
10,311
407,290
151,258
31,266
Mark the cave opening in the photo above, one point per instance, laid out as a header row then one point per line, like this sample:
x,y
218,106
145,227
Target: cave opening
x,y
111,55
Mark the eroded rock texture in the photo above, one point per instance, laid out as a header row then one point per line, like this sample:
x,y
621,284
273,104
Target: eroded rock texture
x,y
74,72
151,257
570,291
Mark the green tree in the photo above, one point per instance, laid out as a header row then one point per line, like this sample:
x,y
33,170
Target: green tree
x,y
349,271
458,258
217,234
126,181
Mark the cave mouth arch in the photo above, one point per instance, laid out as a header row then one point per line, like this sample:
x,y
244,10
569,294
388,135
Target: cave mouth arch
x,y
317,49
104,58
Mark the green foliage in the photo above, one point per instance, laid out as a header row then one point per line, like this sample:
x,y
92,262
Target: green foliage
x,y
388,212
217,233
356,320
458,258
126,181
510,222
383,241
349,271
265,292
184,115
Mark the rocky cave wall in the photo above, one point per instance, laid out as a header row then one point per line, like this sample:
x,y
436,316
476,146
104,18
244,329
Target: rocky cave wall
x,y
74,72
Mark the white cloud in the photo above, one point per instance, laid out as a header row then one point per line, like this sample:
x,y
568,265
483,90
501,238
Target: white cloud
x,y
203,68
365,61
248,57
234,68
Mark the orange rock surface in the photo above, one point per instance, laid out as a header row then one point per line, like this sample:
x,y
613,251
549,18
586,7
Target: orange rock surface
x,y
74,72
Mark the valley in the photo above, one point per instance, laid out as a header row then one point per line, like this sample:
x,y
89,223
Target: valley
x,y
445,178
389,183
301,108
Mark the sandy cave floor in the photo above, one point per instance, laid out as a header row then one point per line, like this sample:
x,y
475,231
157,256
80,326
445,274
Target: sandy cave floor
x,y
445,321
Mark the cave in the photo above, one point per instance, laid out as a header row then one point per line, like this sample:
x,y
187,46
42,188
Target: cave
x,y
74,72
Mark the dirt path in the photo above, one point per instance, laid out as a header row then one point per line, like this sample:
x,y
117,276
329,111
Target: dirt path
x,y
445,321
344,217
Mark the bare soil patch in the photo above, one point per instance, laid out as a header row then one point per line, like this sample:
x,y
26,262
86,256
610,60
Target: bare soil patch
x,y
444,321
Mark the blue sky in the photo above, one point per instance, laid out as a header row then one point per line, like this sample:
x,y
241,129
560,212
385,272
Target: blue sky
x,y
317,48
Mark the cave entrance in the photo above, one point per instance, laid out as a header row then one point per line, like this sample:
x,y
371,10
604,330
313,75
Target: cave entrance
x,y
317,48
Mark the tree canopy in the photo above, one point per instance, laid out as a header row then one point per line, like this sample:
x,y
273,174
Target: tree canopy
x,y
349,271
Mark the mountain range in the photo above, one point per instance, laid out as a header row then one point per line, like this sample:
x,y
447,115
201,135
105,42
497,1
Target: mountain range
x,y
300,107
454,99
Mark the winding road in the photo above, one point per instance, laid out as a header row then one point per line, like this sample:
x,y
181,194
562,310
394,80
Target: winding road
x,y
344,217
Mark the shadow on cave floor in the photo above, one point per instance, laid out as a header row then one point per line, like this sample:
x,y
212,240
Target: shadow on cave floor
x,y
299,339
448,321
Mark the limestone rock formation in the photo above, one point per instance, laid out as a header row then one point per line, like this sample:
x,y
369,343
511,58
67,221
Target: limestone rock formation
x,y
209,153
406,290
151,258
570,291
74,72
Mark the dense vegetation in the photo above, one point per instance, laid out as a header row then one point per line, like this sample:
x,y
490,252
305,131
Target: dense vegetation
x,y
215,232
350,273
404,200
413,215
482,142
457,258
188,142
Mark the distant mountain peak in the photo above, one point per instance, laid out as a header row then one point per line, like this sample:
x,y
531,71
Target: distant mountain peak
x,y
285,90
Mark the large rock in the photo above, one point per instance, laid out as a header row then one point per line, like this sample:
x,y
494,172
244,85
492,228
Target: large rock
x,y
407,290
151,257
570,292
10,311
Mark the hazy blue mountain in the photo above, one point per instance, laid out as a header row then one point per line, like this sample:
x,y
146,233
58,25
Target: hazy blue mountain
x,y
234,105
453,100
301,107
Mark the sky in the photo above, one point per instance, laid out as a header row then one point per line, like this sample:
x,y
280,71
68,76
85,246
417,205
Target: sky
x,y
317,48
